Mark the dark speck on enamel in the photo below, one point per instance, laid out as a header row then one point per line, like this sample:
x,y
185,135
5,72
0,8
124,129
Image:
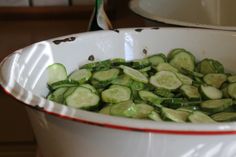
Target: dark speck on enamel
x,y
57,42
116,30
138,30
91,58
155,28
145,52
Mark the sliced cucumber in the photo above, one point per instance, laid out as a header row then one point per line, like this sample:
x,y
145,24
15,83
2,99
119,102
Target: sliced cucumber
x,y
56,72
157,59
184,79
99,84
146,69
98,66
140,63
122,80
57,95
134,74
224,116
224,89
150,97
183,59
162,92
69,91
165,79
64,83
199,117
116,94
173,52
89,86
192,74
174,115
214,79
207,66
232,90
166,67
81,75
123,109
232,79
106,75
135,85
83,98
214,106
142,111
118,61
190,92
106,110
155,116
210,92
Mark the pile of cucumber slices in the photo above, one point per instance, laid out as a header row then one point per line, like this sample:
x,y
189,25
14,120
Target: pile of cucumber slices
x,y
174,88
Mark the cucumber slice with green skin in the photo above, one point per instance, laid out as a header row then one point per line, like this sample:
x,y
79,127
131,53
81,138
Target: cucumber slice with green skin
x,y
183,59
98,66
83,98
57,95
116,94
56,72
140,63
207,66
105,110
135,85
166,67
224,116
165,79
100,85
118,61
224,89
122,80
142,111
185,109
209,92
214,79
192,74
106,75
214,106
146,69
174,115
157,59
184,79
155,116
89,86
64,83
173,52
190,92
150,97
80,75
199,117
162,92
69,91
232,79
123,109
232,90
134,74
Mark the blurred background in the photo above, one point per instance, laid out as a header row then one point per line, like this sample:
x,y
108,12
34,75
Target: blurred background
x,y
23,22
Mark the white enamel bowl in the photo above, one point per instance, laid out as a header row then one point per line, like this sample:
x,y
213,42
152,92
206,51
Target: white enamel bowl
x,y
62,131
216,14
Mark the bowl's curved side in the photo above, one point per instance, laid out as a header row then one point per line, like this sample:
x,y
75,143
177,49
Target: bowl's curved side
x,y
127,43
202,14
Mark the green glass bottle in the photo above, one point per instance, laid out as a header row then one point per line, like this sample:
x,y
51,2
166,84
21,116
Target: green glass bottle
x,y
99,19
